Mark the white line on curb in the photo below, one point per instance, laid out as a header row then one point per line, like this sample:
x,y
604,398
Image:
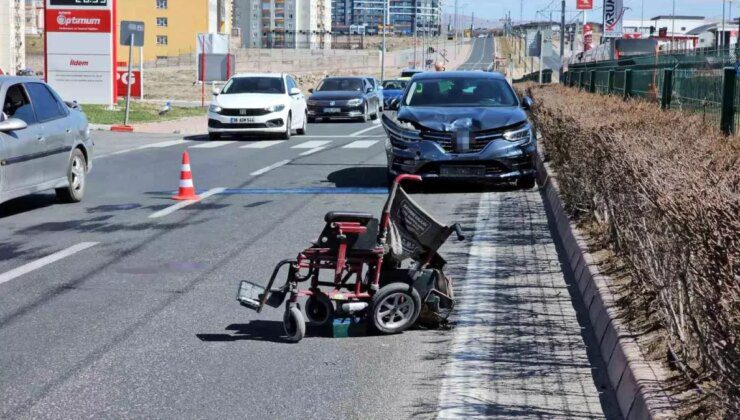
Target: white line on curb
x,y
463,386
182,204
271,167
34,265
357,133
312,151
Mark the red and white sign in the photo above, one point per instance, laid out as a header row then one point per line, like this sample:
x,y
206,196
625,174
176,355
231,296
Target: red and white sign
x,y
80,50
588,37
632,36
584,4
122,80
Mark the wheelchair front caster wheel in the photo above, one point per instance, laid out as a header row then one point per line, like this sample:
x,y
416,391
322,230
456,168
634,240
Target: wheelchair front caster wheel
x,y
319,309
294,324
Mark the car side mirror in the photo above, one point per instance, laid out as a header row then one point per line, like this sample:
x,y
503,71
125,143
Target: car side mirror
x,y
12,124
394,104
310,90
527,103
369,90
295,91
216,91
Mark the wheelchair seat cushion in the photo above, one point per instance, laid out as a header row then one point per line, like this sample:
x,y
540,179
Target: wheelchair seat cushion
x,y
348,216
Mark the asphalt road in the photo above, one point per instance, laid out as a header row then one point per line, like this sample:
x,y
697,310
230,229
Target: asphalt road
x,y
106,311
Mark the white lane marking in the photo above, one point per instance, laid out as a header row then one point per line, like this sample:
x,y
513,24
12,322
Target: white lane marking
x,y
341,137
271,167
377,121
212,144
311,144
182,204
34,265
312,151
360,144
145,146
262,144
357,133
463,386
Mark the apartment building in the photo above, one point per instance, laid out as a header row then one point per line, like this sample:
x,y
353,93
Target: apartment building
x,y
171,26
284,23
403,16
12,36
34,17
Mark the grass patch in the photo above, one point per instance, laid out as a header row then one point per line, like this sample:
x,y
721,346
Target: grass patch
x,y
139,113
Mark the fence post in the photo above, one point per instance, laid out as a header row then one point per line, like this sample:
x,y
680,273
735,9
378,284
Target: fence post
x,y
581,77
627,83
728,100
666,96
610,83
592,82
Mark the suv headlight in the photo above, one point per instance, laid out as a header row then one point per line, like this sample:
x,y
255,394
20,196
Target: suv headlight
x,y
312,102
275,108
354,102
214,108
521,135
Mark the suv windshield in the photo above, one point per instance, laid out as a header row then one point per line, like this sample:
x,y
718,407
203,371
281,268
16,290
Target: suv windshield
x,y
340,85
455,92
395,84
254,85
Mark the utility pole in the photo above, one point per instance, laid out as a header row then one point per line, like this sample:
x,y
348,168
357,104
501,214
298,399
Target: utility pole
x,y
562,30
722,44
382,54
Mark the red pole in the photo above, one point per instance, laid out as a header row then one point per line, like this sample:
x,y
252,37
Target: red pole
x,y
203,71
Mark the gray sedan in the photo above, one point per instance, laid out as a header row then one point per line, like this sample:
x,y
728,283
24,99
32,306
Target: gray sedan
x,y
44,142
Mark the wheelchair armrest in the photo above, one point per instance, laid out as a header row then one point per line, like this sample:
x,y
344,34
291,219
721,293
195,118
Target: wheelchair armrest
x,y
348,216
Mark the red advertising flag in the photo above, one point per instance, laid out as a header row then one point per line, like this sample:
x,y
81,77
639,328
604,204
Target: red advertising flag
x,y
584,4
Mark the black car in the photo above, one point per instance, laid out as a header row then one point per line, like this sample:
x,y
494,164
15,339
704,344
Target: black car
x,y
344,97
463,126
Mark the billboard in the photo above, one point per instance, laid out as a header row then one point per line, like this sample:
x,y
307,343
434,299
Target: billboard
x,y
80,49
588,37
584,4
613,18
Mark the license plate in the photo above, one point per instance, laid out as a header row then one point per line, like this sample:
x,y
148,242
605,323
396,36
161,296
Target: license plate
x,y
332,110
242,120
462,170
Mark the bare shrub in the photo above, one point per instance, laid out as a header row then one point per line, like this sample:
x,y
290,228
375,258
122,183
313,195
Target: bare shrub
x,y
665,189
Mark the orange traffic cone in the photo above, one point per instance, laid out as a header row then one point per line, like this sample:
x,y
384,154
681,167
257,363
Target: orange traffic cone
x,y
187,189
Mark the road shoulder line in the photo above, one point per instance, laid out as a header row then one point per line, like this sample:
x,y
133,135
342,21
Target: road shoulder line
x,y
41,262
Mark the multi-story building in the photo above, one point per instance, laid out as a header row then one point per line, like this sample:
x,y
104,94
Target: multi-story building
x,y
284,23
34,17
403,15
12,36
170,27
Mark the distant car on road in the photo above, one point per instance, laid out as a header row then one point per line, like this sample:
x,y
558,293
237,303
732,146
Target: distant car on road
x,y
344,97
407,74
466,126
44,142
258,103
392,90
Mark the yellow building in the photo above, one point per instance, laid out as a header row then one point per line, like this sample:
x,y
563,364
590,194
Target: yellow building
x,y
171,26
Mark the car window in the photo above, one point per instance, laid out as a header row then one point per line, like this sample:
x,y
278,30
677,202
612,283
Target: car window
x,y
291,84
341,84
479,92
17,105
254,85
44,103
394,84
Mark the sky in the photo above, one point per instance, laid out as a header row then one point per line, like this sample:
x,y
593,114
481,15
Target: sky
x,y
497,9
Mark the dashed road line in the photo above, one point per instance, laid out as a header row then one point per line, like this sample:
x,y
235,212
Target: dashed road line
x,y
41,262
271,167
360,144
312,151
182,204
159,145
358,133
262,144
312,144
212,144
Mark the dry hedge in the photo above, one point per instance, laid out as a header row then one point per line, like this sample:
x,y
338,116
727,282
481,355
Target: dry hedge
x,y
665,188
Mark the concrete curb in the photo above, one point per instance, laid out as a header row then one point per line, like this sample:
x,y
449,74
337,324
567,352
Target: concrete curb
x,y
638,391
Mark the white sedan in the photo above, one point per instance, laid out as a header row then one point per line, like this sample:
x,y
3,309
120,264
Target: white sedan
x,y
258,103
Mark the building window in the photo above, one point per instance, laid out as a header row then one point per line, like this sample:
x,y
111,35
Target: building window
x,y
161,39
162,21
161,4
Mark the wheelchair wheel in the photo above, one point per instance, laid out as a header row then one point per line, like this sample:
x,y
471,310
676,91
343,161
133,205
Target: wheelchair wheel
x,y
294,324
395,308
319,309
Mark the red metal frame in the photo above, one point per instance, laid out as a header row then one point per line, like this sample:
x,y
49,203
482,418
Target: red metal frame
x,y
346,266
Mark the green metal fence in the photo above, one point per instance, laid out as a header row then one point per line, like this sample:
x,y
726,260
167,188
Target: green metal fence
x,y
702,82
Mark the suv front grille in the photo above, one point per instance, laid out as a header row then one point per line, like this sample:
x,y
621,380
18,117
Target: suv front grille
x,y
478,139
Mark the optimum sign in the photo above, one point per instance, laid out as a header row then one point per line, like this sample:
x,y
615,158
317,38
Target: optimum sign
x,y
80,49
